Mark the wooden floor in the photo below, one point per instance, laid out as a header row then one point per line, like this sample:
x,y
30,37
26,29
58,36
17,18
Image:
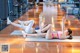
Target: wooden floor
x,y
19,45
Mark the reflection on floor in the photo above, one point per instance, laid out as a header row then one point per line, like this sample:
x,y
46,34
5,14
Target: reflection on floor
x,y
19,45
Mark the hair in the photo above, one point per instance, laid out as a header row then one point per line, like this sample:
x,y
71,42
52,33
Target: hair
x,y
70,31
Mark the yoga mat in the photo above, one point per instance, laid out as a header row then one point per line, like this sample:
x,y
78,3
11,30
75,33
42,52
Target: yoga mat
x,y
34,39
40,39
16,32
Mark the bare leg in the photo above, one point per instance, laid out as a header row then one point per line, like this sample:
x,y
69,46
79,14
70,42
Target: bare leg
x,y
46,35
46,28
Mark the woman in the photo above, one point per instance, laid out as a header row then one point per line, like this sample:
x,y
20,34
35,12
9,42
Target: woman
x,y
28,30
27,25
41,33
49,34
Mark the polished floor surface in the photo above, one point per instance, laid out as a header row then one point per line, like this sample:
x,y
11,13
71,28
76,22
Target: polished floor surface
x,y
17,44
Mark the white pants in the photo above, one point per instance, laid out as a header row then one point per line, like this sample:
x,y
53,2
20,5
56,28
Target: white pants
x,y
28,28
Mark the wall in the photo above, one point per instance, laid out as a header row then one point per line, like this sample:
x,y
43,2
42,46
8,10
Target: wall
x,y
3,9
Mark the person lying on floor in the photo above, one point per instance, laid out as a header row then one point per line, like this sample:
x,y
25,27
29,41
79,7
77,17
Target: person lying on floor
x,y
27,26
50,34
28,30
41,33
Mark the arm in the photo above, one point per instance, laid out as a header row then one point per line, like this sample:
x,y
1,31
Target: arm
x,y
36,35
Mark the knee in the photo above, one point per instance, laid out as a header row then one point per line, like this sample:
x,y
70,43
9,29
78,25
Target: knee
x,y
32,21
50,25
